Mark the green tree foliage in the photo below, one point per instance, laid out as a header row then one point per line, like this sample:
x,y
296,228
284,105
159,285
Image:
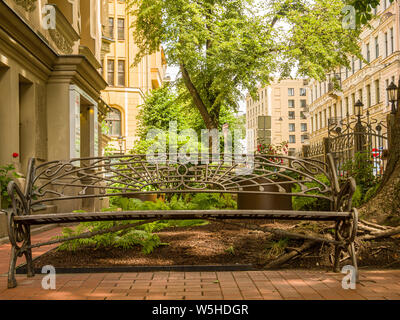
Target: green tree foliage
x,y
364,9
167,104
224,47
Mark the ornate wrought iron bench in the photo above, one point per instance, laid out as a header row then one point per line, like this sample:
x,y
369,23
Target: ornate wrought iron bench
x,y
126,175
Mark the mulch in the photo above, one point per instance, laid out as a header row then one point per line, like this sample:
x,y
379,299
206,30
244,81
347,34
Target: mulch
x,y
213,244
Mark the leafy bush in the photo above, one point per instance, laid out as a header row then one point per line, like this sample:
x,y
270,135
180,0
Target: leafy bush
x,y
357,199
371,192
7,173
142,235
300,203
361,168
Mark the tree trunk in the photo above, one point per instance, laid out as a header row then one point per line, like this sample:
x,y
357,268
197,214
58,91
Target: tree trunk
x,y
209,121
394,147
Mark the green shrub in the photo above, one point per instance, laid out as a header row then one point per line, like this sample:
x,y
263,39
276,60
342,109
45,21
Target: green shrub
x,y
357,199
300,203
361,168
371,192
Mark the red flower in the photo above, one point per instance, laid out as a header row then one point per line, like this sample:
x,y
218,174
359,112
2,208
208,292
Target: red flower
x,y
15,155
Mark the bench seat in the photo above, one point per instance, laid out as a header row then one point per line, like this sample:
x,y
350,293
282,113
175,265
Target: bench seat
x,y
181,215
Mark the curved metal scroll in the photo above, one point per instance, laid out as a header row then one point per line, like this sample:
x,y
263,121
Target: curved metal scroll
x,y
134,174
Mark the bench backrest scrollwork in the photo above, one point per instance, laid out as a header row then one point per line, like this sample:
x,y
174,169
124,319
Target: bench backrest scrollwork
x,y
134,174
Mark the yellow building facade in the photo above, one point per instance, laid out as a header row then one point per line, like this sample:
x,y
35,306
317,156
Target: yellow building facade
x,y
50,84
366,82
127,84
282,104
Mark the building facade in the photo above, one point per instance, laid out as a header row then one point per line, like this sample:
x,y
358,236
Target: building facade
x,y
364,81
50,84
127,84
278,115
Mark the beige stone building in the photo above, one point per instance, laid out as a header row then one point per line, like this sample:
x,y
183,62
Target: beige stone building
x,y
127,84
50,53
281,106
366,82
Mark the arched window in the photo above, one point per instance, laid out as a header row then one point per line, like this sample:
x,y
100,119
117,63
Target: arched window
x,y
113,121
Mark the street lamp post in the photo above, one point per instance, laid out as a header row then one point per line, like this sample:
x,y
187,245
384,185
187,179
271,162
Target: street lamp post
x,y
120,143
392,93
359,130
359,110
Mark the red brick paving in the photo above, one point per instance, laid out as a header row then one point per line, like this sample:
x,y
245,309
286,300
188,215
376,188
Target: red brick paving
x,y
243,285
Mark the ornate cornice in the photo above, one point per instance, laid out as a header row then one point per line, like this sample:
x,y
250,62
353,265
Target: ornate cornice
x,y
64,36
28,5
62,44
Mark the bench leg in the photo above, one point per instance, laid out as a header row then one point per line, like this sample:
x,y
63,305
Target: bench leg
x,y
12,282
336,258
30,272
338,249
353,255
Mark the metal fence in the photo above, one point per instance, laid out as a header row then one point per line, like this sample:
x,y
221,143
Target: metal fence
x,y
347,137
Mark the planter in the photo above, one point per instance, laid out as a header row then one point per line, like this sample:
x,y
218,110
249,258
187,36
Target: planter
x,y
248,201
153,197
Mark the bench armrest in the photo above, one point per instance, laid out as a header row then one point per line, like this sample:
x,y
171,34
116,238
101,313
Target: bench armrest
x,y
344,196
18,199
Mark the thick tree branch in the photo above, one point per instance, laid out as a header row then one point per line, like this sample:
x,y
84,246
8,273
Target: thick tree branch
x,y
208,120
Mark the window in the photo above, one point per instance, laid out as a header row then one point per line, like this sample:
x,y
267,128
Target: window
x,y
303,103
304,137
121,29
391,41
291,115
291,92
360,95
302,115
292,152
325,121
291,103
110,72
292,139
386,45
347,105
121,72
320,120
353,67
368,53
387,94
360,64
377,92
368,95
292,127
113,121
111,27
312,124
347,72
304,127
303,92
376,47
353,102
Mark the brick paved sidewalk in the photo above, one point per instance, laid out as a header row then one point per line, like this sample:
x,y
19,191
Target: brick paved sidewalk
x,y
287,284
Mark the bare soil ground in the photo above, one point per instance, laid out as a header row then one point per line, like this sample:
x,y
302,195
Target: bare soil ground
x,y
224,244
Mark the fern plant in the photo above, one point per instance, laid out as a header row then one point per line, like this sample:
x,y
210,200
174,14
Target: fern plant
x,y
143,235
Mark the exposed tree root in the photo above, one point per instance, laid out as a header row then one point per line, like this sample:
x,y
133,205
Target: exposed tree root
x,y
288,256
